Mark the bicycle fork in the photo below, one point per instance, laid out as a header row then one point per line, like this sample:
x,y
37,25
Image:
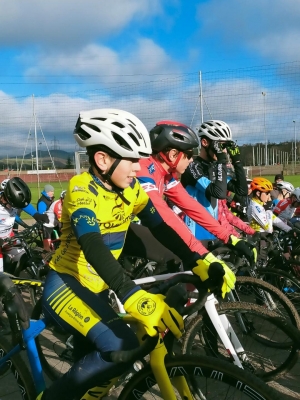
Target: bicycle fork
x,y
225,331
164,380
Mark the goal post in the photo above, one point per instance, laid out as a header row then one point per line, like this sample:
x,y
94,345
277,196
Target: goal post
x,y
81,161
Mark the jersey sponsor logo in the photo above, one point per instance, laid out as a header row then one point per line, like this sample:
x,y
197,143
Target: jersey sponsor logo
x,y
220,173
171,184
75,312
146,306
83,201
148,187
109,225
118,213
151,169
257,208
91,221
79,189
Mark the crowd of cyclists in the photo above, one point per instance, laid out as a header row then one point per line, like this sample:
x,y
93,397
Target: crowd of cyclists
x,y
184,203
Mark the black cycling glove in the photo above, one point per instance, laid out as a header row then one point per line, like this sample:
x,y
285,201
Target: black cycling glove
x,y
41,218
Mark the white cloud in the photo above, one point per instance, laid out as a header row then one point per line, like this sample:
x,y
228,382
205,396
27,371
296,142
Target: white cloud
x,y
95,64
270,28
69,23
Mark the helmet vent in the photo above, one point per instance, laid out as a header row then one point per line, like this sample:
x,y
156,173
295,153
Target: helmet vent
x,y
121,142
134,138
177,136
118,124
136,131
82,134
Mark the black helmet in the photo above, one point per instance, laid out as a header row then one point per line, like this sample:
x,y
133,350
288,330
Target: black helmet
x,y
17,193
174,135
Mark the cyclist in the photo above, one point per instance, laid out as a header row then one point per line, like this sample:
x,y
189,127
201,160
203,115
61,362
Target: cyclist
x,y
43,204
15,195
286,208
54,215
12,200
284,191
96,214
172,144
205,179
260,219
274,192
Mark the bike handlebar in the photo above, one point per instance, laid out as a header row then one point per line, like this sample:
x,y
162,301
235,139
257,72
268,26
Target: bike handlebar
x,y
176,297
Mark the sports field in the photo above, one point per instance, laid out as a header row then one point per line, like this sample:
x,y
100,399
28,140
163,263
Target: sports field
x,y
35,194
293,179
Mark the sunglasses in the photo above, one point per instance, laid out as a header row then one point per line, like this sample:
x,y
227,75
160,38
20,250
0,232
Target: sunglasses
x,y
189,154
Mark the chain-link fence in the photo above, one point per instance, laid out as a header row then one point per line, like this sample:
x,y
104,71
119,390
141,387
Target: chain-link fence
x,y
261,104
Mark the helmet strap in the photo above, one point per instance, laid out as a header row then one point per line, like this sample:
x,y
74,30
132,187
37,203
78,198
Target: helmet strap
x,y
171,164
107,178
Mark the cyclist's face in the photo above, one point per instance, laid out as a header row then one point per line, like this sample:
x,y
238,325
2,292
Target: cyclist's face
x,y
265,197
184,162
125,172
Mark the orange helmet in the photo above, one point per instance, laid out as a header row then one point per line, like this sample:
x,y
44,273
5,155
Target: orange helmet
x,y
261,184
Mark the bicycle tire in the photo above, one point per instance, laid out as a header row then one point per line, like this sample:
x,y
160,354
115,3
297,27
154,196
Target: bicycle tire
x,y
263,358
284,307
286,282
209,370
16,370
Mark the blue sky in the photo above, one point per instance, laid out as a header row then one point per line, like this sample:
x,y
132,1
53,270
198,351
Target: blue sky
x,y
64,51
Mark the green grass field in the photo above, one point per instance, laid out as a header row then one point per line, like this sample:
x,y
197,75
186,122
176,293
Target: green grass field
x,y
293,179
35,194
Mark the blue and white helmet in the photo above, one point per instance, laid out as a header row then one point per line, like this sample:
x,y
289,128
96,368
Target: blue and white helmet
x,y
3,184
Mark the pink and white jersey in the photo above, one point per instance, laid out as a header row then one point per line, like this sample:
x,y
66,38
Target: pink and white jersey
x,y
158,183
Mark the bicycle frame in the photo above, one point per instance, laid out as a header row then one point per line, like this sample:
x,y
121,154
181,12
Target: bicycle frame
x,y
157,356
221,323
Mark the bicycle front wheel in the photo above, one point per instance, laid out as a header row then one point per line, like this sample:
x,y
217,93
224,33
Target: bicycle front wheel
x,y
207,378
269,344
257,291
285,282
16,382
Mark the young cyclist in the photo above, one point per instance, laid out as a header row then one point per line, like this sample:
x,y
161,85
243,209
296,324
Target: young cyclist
x,y
205,179
54,214
96,214
12,200
15,195
172,144
43,205
260,219
284,191
286,208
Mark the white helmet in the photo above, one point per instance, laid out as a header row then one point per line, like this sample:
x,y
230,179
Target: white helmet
x,y
296,193
3,184
119,130
215,130
285,185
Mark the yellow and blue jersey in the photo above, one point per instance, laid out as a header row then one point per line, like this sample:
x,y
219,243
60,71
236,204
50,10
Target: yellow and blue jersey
x,y
89,207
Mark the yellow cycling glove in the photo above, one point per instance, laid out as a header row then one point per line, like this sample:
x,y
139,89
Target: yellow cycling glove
x,y
151,310
226,279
